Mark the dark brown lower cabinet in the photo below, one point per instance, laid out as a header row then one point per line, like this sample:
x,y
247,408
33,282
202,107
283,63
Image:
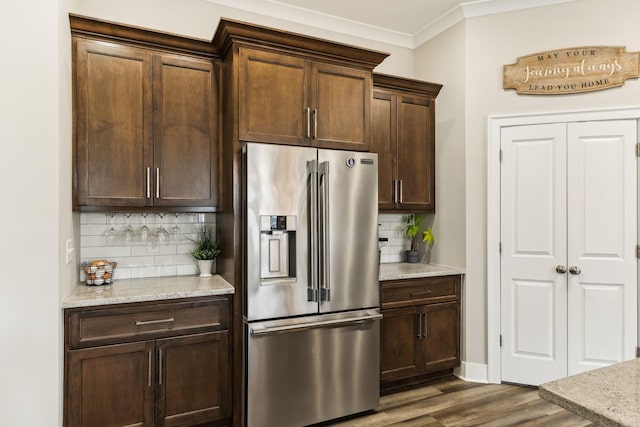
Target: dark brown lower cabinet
x,y
420,332
175,379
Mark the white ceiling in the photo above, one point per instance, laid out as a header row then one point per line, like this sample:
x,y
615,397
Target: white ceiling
x,y
406,23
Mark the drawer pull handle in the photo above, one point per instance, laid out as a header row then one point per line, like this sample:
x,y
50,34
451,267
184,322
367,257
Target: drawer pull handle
x,y
415,294
151,322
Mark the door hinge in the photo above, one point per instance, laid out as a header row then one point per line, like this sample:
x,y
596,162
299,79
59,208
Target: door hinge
x,y
500,247
501,154
500,340
638,251
638,150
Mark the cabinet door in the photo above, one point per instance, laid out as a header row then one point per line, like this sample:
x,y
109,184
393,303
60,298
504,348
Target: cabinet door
x,y
341,103
274,98
384,142
416,154
399,346
185,141
441,336
193,379
114,125
111,385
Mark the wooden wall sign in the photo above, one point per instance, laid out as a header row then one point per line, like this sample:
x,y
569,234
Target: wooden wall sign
x,y
571,70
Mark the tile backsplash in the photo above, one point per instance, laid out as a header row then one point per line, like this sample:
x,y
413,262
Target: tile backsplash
x,y
136,257
391,227
151,258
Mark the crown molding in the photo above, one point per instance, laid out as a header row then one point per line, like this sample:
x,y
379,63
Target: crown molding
x,y
310,18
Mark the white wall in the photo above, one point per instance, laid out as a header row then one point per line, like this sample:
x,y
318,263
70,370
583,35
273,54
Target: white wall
x,y
490,42
199,18
35,175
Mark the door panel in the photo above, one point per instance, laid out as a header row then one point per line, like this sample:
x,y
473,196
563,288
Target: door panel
x,y
533,243
273,97
193,379
384,142
400,355
111,385
341,97
113,138
185,132
416,157
602,238
277,183
351,195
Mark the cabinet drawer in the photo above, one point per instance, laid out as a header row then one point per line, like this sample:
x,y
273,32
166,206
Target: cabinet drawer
x,y
420,291
98,326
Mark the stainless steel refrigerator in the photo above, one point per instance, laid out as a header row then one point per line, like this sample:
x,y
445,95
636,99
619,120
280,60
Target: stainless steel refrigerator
x,y
312,319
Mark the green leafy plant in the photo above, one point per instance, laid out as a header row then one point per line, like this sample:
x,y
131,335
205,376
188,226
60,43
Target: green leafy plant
x,y
206,246
412,228
428,237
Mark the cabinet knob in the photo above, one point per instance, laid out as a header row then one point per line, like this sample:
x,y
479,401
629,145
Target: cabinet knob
x,y
575,270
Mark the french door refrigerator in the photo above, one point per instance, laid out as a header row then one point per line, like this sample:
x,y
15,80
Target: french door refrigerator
x,y
312,319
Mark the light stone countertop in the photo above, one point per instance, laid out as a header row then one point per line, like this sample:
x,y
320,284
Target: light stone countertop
x,y
146,289
608,396
403,270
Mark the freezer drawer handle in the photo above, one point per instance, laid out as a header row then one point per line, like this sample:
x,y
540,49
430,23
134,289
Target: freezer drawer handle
x,y
261,330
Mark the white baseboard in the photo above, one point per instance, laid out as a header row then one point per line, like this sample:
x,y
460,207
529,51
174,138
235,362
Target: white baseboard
x,y
472,372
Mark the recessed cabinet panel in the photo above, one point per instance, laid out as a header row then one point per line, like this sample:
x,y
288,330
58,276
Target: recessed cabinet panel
x,y
383,142
111,386
416,164
185,145
341,106
273,97
114,124
193,387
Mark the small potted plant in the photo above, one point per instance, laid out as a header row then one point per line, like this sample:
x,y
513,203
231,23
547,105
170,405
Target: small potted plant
x,y
429,239
411,229
206,250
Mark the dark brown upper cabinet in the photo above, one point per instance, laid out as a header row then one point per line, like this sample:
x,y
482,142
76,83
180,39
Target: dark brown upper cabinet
x,y
145,122
403,135
297,90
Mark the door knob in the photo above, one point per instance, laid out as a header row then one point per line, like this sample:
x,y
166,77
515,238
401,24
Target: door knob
x,y
561,269
575,270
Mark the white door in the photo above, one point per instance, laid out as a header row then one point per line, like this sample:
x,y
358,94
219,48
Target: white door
x,y
568,203
533,236
601,203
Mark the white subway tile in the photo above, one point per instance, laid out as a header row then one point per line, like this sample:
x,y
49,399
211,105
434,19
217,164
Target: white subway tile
x,y
87,241
165,260
105,252
93,218
187,269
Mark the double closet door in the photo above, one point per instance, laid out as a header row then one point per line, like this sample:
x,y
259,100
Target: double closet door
x,y
568,248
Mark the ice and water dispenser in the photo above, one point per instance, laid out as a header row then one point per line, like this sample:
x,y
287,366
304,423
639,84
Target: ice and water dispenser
x,y
277,247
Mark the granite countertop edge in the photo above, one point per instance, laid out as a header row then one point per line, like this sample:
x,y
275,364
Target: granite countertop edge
x,y
124,291
403,270
608,396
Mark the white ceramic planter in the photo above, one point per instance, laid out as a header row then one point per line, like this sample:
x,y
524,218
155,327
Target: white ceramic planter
x,y
205,265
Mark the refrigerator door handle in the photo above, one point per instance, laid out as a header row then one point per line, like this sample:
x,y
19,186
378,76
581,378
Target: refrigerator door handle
x,y
263,330
312,292
323,171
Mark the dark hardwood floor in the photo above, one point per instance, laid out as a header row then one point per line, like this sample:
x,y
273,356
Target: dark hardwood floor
x,y
453,402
